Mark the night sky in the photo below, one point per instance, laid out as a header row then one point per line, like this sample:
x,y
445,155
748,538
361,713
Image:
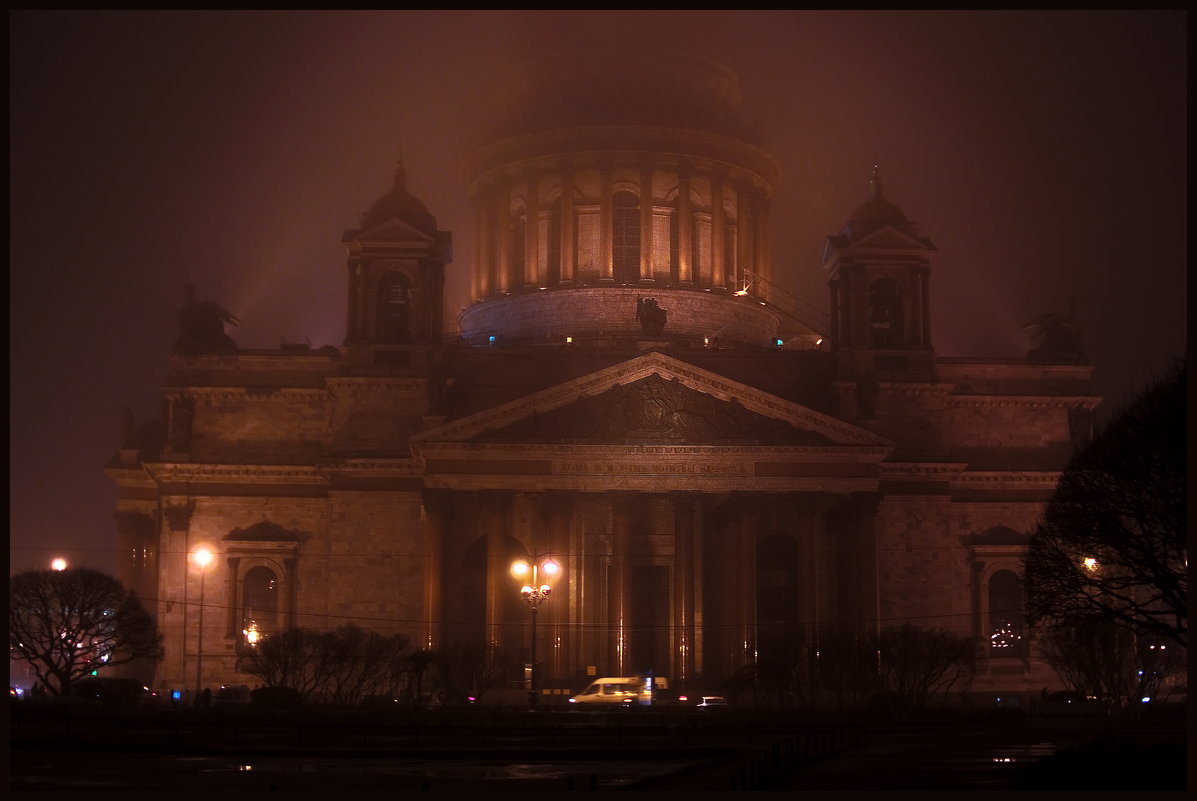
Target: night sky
x,y
1044,153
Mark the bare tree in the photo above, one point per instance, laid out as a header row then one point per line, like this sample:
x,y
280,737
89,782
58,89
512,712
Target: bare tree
x,y
67,623
1113,542
338,666
296,658
915,663
469,670
359,662
1110,662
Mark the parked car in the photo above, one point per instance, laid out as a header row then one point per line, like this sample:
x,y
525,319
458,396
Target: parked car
x,y
1071,704
112,693
379,703
712,703
232,696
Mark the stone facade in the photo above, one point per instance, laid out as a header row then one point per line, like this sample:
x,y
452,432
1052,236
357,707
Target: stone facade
x,y
704,489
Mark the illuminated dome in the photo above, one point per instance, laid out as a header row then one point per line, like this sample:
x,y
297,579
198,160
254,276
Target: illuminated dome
x,y
615,178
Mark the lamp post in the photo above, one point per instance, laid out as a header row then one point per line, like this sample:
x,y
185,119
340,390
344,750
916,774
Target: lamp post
x,y
202,558
535,594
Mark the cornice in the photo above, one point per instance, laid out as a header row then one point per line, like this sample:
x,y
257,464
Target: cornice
x,y
177,472
374,384
798,453
935,471
1059,401
1006,479
388,468
249,393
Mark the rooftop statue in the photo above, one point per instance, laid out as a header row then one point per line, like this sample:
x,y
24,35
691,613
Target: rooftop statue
x,y
201,326
650,316
1061,338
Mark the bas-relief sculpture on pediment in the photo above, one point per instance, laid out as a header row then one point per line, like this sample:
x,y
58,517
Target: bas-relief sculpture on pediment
x,y
653,410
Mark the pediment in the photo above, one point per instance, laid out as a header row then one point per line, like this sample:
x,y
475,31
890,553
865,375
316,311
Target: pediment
x,y
264,532
393,230
889,238
652,399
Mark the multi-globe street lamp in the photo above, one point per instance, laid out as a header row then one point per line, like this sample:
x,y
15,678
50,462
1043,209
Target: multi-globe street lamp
x,y
202,557
535,593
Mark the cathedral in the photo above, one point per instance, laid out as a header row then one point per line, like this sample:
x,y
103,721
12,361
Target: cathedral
x,y
628,394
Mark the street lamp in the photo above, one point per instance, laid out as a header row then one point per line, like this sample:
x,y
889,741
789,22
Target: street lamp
x,y
202,558
58,564
535,594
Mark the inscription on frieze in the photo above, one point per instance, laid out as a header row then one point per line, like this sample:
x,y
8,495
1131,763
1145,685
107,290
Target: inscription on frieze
x,y
653,468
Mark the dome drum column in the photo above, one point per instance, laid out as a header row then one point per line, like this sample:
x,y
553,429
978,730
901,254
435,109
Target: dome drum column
x,y
568,244
606,255
685,229
718,232
646,224
533,270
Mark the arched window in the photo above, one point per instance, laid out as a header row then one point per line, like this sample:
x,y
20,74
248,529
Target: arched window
x,y
259,600
1005,630
394,309
625,237
885,314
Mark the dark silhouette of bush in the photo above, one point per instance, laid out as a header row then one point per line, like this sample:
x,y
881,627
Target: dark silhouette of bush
x,y
1109,765
275,698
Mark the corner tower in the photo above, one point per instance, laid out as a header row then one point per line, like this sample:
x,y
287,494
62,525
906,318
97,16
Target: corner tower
x,y
396,263
879,273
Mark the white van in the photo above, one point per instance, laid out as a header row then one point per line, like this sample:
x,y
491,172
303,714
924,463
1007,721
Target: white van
x,y
624,690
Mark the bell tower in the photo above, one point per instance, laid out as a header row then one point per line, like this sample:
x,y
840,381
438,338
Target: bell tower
x,y
879,274
396,261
